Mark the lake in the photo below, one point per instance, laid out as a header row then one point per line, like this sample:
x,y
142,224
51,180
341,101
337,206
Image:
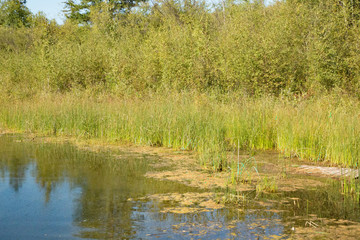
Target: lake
x,y
58,191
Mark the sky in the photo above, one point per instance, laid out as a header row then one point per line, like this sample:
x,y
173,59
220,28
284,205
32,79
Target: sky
x,y
53,8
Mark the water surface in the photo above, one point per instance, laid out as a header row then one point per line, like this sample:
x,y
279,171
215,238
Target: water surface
x,y
56,191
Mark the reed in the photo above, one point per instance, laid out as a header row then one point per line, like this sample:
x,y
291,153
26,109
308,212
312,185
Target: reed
x,y
322,129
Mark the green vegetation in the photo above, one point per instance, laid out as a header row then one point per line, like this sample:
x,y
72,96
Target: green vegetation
x,y
14,13
80,11
289,48
319,129
185,75
267,185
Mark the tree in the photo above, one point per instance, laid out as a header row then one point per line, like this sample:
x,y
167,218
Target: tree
x,y
14,13
80,10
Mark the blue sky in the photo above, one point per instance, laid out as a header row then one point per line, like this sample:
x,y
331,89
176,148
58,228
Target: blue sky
x,y
53,8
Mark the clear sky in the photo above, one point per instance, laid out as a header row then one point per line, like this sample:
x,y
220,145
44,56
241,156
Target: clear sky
x,y
51,8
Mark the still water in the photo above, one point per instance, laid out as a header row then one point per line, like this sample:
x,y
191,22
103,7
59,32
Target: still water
x,y
57,191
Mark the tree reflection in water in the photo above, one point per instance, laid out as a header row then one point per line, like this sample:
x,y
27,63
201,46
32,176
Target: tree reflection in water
x,y
99,196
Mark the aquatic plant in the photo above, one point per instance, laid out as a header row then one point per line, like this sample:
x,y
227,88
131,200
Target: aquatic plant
x,y
200,123
351,188
266,185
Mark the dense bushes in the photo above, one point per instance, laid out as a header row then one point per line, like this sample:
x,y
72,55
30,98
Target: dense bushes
x,y
288,47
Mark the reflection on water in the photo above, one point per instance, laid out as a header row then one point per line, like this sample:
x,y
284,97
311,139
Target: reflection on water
x,y
50,191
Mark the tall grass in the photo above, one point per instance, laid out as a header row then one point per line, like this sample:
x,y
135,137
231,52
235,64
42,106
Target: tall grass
x,y
324,129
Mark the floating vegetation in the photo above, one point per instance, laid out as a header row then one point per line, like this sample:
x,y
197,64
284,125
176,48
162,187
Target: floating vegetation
x,y
186,202
301,207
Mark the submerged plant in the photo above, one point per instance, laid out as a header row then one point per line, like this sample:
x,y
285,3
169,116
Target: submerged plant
x,y
242,171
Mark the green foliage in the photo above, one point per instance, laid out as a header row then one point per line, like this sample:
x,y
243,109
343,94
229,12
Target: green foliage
x,y
14,13
288,48
80,11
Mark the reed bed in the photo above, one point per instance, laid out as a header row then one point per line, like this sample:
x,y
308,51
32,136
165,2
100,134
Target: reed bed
x,y
319,129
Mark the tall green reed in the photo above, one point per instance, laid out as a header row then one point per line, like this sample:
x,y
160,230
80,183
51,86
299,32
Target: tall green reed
x,y
323,129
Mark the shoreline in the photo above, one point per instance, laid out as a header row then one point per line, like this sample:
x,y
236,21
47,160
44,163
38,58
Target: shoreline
x,y
287,174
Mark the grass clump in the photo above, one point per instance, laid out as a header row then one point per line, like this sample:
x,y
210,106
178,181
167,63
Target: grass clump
x,y
267,185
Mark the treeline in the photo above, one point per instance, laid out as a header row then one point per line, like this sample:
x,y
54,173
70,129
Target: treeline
x,y
293,47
